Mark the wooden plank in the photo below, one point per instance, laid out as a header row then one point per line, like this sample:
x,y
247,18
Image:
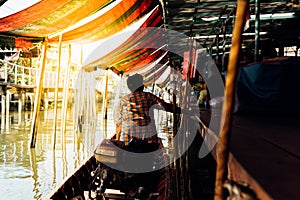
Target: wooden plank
x,y
267,147
264,153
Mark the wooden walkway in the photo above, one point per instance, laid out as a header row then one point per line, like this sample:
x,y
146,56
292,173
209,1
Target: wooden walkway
x,y
18,85
264,154
14,75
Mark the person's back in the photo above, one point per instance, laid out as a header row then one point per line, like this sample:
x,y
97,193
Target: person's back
x,y
135,117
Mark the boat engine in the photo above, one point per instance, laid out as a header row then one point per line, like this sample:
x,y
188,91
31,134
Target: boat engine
x,y
102,178
106,175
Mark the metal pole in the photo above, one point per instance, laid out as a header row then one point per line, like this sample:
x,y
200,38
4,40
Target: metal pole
x,y
37,101
257,27
191,69
222,149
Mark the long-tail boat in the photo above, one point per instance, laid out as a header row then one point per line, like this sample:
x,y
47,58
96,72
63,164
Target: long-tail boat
x,y
100,177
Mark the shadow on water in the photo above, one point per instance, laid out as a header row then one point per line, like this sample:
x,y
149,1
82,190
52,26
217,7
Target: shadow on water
x,y
31,173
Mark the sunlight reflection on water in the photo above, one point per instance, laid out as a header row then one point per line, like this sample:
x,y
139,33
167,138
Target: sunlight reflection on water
x,y
32,173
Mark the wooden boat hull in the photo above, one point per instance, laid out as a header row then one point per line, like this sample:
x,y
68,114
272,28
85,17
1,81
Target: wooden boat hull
x,y
80,184
75,185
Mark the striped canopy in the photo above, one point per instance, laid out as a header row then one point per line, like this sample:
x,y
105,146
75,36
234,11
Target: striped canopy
x,y
88,21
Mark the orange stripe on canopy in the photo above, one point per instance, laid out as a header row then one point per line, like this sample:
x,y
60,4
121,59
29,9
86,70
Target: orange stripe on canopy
x,y
132,57
140,35
125,20
137,43
154,40
109,23
30,14
89,7
141,62
138,50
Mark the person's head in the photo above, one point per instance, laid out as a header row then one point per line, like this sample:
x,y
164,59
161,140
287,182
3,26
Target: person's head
x,y
135,83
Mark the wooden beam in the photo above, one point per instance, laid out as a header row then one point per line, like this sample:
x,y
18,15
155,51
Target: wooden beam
x,y
66,93
56,91
228,104
37,101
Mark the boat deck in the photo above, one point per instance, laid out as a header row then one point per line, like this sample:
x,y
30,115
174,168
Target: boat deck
x,y
265,154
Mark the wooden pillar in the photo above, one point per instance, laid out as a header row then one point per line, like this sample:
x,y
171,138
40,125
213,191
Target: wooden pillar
x,y
20,105
105,100
2,111
56,90
66,92
223,143
77,115
8,96
6,72
46,100
37,101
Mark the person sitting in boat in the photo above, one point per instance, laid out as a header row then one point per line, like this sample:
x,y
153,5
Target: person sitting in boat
x,y
135,117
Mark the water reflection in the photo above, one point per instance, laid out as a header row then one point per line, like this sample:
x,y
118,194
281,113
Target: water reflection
x,y
27,173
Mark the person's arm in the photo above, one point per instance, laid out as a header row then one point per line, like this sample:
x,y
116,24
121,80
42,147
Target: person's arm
x,y
118,131
169,107
119,122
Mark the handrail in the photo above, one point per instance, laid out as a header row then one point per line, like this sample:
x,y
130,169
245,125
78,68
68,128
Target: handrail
x,y
14,74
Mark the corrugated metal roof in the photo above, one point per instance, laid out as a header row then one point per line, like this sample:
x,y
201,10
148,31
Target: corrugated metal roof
x,y
211,22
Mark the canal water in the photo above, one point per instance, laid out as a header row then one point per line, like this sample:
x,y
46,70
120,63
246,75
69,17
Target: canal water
x,y
32,173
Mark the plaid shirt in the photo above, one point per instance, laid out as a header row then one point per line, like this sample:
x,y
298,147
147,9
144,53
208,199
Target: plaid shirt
x,y
135,116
